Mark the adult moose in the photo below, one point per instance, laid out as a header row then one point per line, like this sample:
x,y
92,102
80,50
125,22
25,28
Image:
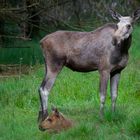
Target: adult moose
x,y
105,50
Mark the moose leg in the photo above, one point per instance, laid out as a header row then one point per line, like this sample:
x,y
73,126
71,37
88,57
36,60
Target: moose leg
x,y
44,90
104,77
114,81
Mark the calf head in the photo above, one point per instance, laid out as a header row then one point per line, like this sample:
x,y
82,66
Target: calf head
x,y
124,26
55,122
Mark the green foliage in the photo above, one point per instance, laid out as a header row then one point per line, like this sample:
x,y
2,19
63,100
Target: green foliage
x,y
28,51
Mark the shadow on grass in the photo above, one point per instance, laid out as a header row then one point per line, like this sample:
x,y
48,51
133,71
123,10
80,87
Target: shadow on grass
x,y
134,126
119,116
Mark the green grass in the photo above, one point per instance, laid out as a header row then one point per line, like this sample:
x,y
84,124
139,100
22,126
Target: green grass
x,y
76,95
14,50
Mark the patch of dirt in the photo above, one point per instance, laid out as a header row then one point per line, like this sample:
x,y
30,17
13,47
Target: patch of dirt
x,y
14,70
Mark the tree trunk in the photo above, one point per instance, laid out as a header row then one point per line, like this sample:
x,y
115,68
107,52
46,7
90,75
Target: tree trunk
x,y
1,32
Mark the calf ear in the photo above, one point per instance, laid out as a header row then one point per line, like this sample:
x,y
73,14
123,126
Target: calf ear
x,y
136,15
114,14
55,110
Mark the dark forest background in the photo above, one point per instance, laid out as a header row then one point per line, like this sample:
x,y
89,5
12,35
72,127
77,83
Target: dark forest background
x,y
24,21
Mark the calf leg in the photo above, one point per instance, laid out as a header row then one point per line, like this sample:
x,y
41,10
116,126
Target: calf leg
x,y
104,77
114,81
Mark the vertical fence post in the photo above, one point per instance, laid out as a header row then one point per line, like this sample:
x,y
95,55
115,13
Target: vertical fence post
x,y
20,66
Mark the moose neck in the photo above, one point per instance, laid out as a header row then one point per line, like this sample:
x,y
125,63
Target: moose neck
x,y
120,49
123,45
126,43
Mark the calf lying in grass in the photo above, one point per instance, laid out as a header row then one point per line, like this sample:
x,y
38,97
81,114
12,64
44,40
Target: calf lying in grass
x,y
55,122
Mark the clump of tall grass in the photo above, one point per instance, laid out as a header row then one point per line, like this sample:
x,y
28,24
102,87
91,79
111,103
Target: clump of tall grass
x,y
29,51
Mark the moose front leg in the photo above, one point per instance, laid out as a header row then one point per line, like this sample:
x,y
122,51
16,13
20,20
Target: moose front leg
x,y
114,81
104,77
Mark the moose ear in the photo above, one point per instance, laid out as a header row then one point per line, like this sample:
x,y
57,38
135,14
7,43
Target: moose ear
x,y
136,15
114,14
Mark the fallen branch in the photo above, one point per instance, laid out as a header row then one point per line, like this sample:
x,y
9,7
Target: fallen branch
x,y
16,37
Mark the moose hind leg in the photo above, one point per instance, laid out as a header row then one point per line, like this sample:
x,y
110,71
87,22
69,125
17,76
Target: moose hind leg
x,y
44,90
114,81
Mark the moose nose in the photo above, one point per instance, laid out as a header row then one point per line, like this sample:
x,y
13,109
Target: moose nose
x,y
128,26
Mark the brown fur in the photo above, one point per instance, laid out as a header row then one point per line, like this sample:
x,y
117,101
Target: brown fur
x,y
55,122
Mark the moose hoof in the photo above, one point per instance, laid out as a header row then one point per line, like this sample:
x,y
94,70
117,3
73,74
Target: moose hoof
x,y
42,115
101,115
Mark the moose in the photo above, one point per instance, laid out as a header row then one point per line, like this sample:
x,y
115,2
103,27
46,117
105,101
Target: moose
x,y
104,49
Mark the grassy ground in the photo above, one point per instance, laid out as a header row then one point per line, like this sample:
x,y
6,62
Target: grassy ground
x,y
76,95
